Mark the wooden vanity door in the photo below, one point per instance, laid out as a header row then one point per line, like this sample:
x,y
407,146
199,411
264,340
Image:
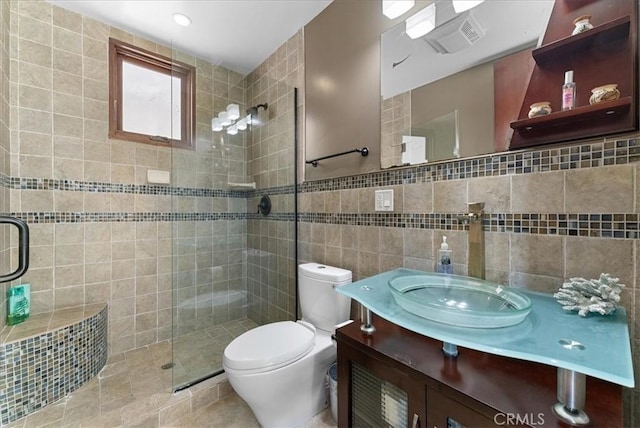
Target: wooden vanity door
x,y
414,388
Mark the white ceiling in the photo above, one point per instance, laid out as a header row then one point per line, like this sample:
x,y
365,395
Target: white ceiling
x,y
237,34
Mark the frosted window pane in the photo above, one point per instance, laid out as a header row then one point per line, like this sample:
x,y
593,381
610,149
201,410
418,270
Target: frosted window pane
x,y
147,101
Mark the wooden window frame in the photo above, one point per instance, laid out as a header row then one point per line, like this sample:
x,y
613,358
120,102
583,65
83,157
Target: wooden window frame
x,y
118,52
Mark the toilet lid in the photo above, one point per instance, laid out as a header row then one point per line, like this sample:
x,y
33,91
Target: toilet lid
x,y
269,346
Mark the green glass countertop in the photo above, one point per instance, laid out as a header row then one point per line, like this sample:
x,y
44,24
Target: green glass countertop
x,y
595,345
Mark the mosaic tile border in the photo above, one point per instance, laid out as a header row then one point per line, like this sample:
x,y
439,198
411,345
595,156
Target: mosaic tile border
x,y
38,371
20,183
586,155
87,217
616,225
600,225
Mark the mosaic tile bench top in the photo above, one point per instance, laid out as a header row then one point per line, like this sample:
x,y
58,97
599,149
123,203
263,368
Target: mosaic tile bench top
x,y
49,356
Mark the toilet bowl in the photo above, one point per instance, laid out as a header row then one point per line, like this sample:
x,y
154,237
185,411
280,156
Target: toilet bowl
x,y
279,368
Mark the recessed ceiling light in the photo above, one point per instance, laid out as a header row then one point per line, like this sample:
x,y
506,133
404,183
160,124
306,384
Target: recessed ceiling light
x,y
182,19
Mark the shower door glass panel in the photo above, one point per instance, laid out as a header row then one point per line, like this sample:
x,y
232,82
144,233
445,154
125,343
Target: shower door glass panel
x,y
232,269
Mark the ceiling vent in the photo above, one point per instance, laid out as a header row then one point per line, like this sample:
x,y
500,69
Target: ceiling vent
x,y
456,35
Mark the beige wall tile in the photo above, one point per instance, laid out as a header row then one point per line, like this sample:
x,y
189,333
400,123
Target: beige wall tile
x,y
66,83
67,126
418,198
41,11
68,169
67,19
67,40
69,105
600,190
35,30
97,171
68,201
349,201
34,53
538,193
36,200
495,192
392,241
537,254
34,98
497,251
418,243
35,121
67,62
35,75
450,196
35,144
585,258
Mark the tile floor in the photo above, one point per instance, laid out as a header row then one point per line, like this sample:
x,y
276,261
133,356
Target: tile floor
x,y
132,390
198,354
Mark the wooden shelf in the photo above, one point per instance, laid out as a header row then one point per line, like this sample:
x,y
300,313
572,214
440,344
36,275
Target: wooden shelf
x,y
607,32
596,113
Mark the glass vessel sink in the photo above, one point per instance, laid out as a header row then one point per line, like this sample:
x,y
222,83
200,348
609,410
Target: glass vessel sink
x,y
460,301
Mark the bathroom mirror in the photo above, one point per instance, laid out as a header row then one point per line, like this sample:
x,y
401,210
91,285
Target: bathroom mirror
x,y
450,69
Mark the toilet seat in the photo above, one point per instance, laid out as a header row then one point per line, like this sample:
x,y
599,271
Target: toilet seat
x,y
269,346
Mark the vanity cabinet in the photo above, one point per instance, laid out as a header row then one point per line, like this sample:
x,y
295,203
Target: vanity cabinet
x,y
475,389
606,54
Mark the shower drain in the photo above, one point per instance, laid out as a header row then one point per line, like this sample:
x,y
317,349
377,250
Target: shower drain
x,y
167,366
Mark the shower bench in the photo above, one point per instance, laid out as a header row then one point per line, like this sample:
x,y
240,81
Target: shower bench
x,y
49,356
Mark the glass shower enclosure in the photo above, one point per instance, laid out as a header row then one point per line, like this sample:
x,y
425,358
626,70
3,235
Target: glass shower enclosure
x,y
232,267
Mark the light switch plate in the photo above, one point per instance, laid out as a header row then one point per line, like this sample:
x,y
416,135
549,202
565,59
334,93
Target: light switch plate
x,y
384,200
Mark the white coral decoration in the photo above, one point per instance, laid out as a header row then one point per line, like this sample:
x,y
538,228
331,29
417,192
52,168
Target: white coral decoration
x,y
595,295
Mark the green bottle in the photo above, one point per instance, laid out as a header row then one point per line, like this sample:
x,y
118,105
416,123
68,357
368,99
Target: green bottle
x,y
19,300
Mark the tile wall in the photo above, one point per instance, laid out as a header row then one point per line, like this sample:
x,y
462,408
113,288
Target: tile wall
x,y
271,267
99,232
552,214
395,117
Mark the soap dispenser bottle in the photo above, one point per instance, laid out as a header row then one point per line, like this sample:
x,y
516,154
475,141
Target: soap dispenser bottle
x,y
444,258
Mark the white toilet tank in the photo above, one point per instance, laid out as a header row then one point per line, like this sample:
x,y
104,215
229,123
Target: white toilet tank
x,y
320,304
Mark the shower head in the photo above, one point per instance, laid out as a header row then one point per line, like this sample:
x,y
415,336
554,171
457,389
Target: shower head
x,y
253,111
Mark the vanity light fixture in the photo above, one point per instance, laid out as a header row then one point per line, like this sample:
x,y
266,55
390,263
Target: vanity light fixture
x,y
462,5
394,8
422,22
230,120
181,19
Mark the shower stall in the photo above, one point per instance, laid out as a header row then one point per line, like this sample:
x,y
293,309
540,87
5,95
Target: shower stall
x,y
233,267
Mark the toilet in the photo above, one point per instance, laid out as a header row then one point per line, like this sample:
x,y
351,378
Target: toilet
x,y
279,368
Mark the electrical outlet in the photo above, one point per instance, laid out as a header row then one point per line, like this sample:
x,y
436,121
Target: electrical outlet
x,y
384,200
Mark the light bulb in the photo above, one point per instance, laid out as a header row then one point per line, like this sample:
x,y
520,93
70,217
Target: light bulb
x,y
216,125
242,124
233,110
462,5
232,130
394,8
422,22
223,117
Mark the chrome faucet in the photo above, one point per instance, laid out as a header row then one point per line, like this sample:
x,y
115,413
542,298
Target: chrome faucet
x,y
475,239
